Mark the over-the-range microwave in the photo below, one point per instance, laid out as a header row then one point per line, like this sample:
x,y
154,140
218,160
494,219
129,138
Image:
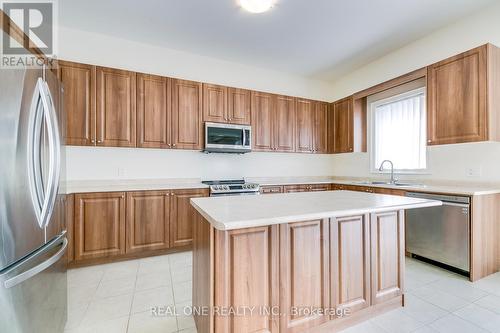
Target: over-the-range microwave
x,y
227,138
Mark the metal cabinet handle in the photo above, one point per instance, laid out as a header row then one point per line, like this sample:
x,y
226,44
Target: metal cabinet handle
x,y
173,145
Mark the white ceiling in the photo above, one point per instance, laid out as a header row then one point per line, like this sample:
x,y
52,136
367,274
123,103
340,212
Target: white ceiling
x,y
321,39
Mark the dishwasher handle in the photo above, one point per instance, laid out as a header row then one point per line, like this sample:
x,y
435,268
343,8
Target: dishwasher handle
x,y
446,199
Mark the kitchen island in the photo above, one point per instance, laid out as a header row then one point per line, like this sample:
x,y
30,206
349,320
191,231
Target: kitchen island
x,y
297,262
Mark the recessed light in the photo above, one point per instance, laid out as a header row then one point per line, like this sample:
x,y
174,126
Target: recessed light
x,y
257,6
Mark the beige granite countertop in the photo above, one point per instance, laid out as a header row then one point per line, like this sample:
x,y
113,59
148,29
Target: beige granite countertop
x,y
118,185
236,212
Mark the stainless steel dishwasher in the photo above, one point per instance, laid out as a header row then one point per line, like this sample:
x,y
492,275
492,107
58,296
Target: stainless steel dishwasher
x,y
441,234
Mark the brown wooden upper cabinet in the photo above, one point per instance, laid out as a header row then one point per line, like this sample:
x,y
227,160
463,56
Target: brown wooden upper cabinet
x,y
153,111
78,102
312,126
340,127
273,122
115,107
226,105
463,97
187,114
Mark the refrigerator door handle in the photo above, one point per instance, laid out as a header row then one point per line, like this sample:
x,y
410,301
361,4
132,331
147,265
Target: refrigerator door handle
x,y
14,281
43,198
55,154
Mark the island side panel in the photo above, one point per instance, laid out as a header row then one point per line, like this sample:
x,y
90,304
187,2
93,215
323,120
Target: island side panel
x,y
387,255
246,275
203,273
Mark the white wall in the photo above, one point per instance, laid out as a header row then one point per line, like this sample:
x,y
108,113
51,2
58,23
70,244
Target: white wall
x,y
104,163
448,162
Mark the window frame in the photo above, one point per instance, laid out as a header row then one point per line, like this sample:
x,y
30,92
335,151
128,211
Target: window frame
x,y
371,106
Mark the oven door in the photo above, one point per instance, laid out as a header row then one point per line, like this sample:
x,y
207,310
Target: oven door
x,y
227,138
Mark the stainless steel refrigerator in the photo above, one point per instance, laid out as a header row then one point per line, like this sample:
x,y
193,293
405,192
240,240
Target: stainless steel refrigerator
x,y
32,225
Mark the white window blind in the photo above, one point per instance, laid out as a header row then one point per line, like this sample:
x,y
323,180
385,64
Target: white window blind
x,y
398,126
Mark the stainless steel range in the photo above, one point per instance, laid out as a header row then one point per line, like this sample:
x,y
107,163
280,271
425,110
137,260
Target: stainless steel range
x,y
232,187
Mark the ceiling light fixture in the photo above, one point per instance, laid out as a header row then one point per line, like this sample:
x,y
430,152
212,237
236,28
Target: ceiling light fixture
x,y
256,6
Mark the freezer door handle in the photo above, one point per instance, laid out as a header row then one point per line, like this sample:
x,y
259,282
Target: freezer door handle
x,y
14,281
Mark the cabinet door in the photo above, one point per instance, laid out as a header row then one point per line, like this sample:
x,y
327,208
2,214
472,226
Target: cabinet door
x,y
187,123
295,188
457,99
342,123
99,225
304,274
246,275
215,103
153,94
147,226
320,127
78,103
239,106
319,187
116,102
262,121
304,126
182,216
387,255
284,124
350,262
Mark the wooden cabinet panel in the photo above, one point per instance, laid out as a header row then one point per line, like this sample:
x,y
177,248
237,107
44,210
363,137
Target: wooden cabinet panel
x,y
262,121
284,124
306,188
249,258
341,126
148,216
304,274
387,255
187,124
304,126
78,103
457,98
153,111
350,262
215,103
239,106
388,191
69,218
271,189
116,107
183,215
99,225
320,127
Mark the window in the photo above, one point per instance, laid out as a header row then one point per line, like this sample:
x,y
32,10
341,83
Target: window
x,y
398,131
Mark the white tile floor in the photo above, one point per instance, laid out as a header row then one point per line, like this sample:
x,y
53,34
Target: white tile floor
x,y
118,298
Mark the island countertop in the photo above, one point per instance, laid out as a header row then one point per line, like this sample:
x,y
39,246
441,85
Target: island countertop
x,y
237,212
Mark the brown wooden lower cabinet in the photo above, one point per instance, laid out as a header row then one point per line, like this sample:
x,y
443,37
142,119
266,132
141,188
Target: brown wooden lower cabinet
x,y
182,216
387,255
349,264
99,225
148,214
118,224
306,188
369,189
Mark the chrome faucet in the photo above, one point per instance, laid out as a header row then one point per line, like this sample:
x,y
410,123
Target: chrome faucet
x,y
381,168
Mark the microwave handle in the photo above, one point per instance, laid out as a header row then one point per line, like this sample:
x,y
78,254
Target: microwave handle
x,y
244,138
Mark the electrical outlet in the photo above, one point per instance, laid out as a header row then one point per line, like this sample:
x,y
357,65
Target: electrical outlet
x,y
121,172
473,172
